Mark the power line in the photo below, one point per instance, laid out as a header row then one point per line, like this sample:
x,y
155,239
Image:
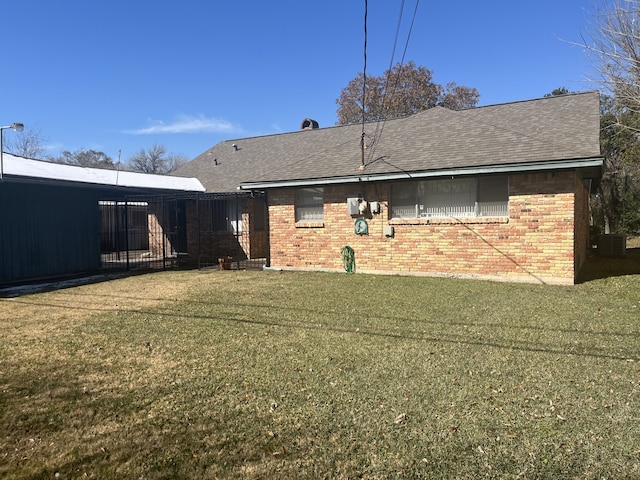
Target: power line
x,y
386,87
380,124
364,84
413,19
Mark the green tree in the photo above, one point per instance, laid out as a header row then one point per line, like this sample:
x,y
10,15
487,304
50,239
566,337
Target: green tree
x,y
616,206
558,91
86,158
402,90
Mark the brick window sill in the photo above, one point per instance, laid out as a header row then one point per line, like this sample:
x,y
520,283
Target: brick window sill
x,y
449,221
309,224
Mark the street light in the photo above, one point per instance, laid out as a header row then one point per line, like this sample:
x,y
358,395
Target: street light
x,y
18,127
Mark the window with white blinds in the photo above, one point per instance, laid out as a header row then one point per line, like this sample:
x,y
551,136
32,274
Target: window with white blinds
x,y
451,197
309,205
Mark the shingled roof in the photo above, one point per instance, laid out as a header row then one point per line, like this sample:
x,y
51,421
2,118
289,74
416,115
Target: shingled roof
x,y
546,133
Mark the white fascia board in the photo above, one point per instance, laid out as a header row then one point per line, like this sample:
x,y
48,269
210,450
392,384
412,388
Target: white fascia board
x,y
595,162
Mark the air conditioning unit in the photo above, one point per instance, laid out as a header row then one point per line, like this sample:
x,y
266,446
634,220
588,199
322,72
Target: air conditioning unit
x,y
612,245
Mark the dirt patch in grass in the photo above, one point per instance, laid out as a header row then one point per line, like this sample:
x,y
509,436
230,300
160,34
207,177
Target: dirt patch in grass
x,y
37,314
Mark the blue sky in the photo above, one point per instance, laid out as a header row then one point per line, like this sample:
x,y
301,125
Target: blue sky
x,y
125,74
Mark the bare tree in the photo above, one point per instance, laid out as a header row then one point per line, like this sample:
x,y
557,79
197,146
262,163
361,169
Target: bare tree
x,y
29,144
152,160
613,42
175,161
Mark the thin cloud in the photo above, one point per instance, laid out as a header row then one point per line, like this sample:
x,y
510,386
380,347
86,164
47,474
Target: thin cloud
x,y
188,124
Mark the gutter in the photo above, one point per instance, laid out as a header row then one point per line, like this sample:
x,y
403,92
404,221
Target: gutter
x,y
593,162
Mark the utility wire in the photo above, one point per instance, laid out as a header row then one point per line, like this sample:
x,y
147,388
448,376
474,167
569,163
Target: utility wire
x,y
386,87
393,54
364,84
413,19
380,124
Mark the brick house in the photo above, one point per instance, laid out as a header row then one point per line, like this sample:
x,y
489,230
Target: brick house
x,y
496,192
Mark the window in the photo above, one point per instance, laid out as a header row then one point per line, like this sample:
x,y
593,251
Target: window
x,y
309,205
226,217
493,197
457,197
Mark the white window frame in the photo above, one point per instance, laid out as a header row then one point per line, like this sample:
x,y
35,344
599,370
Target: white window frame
x,y
462,197
310,204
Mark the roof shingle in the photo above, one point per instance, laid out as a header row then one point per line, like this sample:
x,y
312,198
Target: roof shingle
x,y
542,130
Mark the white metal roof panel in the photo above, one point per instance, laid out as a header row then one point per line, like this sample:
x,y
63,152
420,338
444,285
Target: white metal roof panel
x,y
37,169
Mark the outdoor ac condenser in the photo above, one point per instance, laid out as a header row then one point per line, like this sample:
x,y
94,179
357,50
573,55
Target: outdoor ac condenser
x,y
612,245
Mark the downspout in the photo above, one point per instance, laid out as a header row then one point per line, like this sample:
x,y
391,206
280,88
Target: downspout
x,y
268,227
163,235
199,244
126,230
239,231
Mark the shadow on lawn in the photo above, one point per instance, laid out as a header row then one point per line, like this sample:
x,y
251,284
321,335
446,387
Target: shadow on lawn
x,y
457,334
597,267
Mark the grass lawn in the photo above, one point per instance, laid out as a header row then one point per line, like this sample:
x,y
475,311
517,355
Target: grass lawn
x,y
233,374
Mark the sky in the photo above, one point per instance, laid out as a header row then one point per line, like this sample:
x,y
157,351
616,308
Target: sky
x,y
119,76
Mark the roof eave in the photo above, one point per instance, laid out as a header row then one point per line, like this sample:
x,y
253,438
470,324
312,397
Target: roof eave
x,y
591,166
94,185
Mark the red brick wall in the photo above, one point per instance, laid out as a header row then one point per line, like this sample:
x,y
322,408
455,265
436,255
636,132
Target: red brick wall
x,y
156,236
159,243
535,244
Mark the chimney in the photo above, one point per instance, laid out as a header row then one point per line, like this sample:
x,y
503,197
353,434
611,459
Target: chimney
x,y
309,124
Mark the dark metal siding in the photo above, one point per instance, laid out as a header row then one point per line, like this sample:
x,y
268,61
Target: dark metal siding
x,y
51,230
47,230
